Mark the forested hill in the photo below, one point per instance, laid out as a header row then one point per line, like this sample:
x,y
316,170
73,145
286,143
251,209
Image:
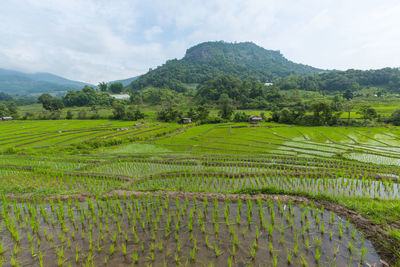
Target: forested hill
x,y
386,80
19,83
205,61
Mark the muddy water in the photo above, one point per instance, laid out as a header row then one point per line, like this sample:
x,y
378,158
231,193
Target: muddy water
x,y
156,244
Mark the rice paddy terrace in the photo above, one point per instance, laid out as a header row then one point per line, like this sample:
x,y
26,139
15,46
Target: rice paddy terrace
x,y
108,193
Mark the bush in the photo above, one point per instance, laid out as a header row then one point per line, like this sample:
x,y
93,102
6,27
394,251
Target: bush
x,y
70,115
82,114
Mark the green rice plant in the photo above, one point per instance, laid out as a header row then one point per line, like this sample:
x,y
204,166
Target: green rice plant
x,y
317,256
112,249
351,248
289,256
363,253
61,258
217,251
303,262
16,250
208,244
353,234
151,256
295,247
229,262
160,245
13,261
76,254
271,247
135,257
192,254
216,228
340,231
40,257
124,249
275,260
252,252
335,251
307,243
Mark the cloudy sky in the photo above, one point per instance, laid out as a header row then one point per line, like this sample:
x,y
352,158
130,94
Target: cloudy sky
x,y
102,40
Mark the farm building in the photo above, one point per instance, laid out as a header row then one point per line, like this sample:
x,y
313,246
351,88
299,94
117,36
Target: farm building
x,y
186,120
255,118
121,97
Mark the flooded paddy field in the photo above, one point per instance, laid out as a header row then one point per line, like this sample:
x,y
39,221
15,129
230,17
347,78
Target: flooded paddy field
x,y
58,205
157,231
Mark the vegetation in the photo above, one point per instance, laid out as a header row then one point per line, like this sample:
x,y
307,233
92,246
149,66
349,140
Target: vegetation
x,y
104,191
126,184
22,84
211,59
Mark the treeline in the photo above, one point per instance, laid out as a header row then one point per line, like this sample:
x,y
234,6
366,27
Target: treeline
x,y
340,81
89,97
8,109
5,97
245,94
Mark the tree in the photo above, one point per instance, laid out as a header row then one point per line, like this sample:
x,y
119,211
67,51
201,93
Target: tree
x,y
137,99
169,114
50,103
226,108
119,111
56,104
285,116
348,94
348,107
4,111
203,113
367,112
116,88
12,108
69,115
240,117
395,117
103,86
324,113
134,114
45,100
199,113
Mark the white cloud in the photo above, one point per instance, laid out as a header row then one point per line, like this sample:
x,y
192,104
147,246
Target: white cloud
x,y
100,40
151,33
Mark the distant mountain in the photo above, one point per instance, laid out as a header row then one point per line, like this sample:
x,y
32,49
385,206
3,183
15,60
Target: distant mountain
x,y
211,59
125,82
19,83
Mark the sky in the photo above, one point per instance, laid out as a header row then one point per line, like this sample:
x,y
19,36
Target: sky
x,y
105,40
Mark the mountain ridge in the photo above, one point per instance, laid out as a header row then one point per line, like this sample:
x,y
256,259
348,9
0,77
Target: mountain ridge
x,y
208,60
20,83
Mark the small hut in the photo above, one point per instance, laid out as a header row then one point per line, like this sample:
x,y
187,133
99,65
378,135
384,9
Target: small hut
x,y
255,118
186,120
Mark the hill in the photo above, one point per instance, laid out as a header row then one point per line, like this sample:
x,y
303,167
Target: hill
x,y
208,60
19,83
125,82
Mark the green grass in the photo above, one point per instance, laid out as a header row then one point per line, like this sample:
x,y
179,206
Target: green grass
x,y
137,149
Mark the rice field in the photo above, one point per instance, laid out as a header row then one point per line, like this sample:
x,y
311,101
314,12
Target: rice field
x,y
108,193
